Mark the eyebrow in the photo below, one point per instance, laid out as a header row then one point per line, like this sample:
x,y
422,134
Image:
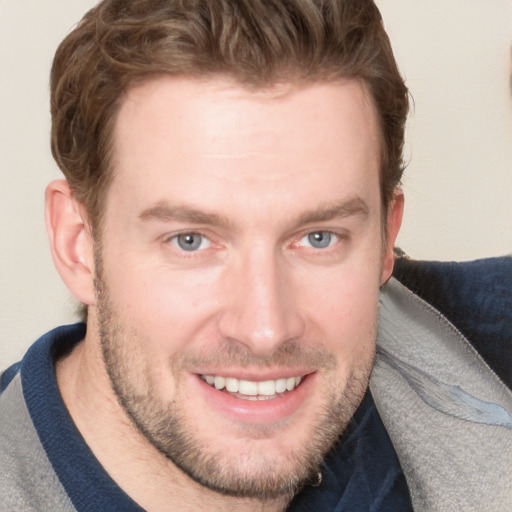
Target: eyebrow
x,y
354,207
164,212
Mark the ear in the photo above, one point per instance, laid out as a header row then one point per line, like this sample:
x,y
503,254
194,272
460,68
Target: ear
x,y
394,221
70,240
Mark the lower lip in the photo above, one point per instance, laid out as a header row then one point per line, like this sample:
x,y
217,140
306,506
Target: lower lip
x,y
257,411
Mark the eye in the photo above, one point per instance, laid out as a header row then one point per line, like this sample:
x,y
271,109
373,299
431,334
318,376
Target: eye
x,y
190,241
319,239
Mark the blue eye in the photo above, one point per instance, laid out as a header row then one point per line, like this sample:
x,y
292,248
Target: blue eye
x,y
319,239
190,241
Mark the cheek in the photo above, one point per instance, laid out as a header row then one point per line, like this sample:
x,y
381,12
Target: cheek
x,y
349,312
344,310
166,308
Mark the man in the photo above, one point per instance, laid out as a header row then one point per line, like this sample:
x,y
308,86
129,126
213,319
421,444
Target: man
x,y
228,218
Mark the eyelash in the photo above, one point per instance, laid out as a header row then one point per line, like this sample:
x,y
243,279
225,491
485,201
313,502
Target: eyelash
x,y
338,237
323,233
174,240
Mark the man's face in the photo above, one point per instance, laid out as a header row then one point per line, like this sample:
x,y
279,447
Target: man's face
x,y
239,273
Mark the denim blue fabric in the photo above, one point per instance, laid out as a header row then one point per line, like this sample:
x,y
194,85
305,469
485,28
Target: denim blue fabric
x,y
87,484
362,472
476,296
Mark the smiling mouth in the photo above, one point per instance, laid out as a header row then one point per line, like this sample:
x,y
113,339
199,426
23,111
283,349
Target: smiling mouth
x,y
253,390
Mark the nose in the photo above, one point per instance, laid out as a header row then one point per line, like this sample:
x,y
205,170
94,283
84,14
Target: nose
x,y
261,308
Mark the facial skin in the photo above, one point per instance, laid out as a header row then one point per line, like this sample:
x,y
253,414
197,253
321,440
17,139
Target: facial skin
x,y
242,239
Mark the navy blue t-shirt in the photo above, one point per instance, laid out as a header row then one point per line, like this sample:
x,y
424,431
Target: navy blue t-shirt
x,y
360,474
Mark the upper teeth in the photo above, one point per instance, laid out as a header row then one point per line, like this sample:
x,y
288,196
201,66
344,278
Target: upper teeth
x,y
253,388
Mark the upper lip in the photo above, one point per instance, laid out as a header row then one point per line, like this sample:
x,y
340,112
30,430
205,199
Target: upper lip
x,y
255,375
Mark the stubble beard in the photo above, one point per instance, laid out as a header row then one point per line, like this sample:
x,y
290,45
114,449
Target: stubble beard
x,y
253,474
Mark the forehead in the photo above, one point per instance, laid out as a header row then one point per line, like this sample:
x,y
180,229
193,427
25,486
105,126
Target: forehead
x,y
204,136
184,105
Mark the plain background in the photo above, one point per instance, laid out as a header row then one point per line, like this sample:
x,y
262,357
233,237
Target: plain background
x,y
455,56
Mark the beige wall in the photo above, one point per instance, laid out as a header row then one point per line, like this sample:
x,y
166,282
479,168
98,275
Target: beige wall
x,y
455,55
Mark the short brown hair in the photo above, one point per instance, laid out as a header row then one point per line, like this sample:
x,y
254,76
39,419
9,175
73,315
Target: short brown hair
x,y
257,42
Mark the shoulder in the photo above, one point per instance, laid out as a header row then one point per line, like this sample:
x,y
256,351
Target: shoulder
x,y
476,296
28,393
7,376
27,480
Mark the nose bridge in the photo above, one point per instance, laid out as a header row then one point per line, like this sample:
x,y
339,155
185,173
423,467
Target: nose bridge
x,y
262,313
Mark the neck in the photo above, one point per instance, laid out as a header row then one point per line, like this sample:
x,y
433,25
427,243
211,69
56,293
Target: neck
x,y
146,475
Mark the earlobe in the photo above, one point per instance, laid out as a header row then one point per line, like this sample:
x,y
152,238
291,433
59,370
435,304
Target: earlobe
x,y
394,221
70,240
